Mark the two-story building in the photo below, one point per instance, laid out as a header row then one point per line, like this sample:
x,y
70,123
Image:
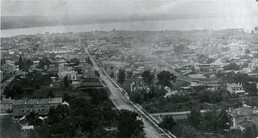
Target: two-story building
x,y
236,88
6,105
40,106
242,116
8,69
67,70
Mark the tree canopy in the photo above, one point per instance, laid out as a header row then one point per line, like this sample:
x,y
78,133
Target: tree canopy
x,y
232,66
121,76
66,82
128,124
168,123
147,77
9,129
165,78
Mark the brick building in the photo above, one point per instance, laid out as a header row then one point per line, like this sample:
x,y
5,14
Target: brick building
x,y
40,106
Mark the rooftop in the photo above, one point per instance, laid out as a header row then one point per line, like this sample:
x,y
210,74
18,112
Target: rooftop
x,y
243,111
37,101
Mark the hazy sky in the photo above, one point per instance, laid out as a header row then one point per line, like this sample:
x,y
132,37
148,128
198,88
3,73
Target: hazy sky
x,y
204,8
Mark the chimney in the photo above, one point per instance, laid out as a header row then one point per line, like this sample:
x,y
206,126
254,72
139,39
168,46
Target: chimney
x,y
132,86
238,111
229,109
255,110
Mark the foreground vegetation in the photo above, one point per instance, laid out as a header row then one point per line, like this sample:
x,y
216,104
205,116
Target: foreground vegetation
x,y
93,118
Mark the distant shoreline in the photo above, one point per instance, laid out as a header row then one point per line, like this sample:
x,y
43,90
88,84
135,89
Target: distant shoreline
x,y
16,22
135,25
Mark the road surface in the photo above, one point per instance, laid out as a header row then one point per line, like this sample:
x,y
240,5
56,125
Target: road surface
x,y
122,102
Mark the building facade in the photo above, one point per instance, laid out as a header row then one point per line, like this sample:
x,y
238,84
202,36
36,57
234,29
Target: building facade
x,y
6,105
235,88
40,106
241,116
8,69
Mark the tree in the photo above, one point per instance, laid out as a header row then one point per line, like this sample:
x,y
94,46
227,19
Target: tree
x,y
232,66
89,61
129,74
194,117
44,62
247,51
190,132
121,76
55,115
250,131
66,82
33,119
3,61
137,97
99,132
245,64
96,73
9,128
147,77
129,125
209,121
223,120
250,88
165,78
112,74
50,94
21,64
67,97
75,61
98,96
168,123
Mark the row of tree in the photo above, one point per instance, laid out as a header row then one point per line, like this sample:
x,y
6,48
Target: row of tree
x,y
26,86
24,64
87,118
198,124
165,77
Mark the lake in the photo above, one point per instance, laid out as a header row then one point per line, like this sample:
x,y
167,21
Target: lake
x,y
248,23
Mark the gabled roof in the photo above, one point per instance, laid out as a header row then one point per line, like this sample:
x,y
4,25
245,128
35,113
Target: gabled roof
x,y
242,111
37,101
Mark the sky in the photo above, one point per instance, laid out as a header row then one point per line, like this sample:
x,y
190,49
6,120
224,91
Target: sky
x,y
125,8
182,14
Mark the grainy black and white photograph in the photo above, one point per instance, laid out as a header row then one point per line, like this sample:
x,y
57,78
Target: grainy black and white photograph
x,y
129,69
